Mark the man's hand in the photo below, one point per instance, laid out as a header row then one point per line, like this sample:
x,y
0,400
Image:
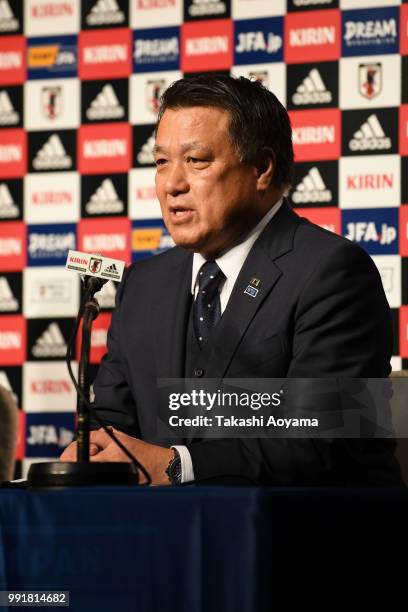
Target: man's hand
x,y
70,453
102,448
154,458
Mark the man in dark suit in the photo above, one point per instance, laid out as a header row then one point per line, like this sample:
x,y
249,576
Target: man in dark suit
x,y
317,309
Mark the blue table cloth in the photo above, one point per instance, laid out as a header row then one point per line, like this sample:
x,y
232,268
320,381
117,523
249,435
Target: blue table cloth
x,y
199,549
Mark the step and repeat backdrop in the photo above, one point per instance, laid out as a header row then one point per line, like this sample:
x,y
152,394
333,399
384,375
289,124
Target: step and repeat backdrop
x,y
80,84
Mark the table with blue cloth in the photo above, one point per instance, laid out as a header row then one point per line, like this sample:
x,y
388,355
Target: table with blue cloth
x,y
199,549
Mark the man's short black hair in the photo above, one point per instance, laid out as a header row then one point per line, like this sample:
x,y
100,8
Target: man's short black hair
x,y
258,119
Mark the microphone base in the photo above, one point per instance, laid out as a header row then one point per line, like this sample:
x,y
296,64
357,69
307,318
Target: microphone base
x,y
57,475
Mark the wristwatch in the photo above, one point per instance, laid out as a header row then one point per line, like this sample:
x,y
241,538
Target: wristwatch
x,y
173,470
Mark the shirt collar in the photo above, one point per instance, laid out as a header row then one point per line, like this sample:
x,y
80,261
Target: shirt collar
x,y
232,260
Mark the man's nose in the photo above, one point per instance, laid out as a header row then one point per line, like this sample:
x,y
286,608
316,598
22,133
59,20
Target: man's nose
x,y
176,181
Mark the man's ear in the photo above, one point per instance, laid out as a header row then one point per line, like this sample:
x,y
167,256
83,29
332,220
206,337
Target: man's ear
x,y
265,167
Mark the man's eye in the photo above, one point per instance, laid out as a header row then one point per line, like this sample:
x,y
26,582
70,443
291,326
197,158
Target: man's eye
x,y
160,161
196,160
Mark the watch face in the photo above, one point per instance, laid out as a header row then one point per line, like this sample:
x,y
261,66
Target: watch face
x,y
174,469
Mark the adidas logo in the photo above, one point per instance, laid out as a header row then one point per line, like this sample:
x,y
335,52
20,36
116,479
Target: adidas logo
x,y
8,302
105,200
106,105
52,155
312,90
145,155
370,136
311,189
4,382
51,343
8,209
201,8
8,23
106,296
105,12
8,115
112,269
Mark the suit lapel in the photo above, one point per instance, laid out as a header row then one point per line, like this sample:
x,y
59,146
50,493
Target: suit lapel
x,y
173,300
274,241
170,316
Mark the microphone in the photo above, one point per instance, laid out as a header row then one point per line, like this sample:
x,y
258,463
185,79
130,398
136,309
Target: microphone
x,y
95,269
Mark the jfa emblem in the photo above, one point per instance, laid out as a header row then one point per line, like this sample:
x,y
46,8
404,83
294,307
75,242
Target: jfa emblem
x,y
95,265
370,80
51,101
154,89
251,291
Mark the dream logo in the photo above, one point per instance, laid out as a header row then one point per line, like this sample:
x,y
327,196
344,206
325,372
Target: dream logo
x,y
156,49
48,245
370,32
259,40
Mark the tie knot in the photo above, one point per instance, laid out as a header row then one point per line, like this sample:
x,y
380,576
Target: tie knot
x,y
210,275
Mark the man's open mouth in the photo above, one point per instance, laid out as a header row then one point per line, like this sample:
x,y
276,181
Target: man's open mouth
x,y
180,212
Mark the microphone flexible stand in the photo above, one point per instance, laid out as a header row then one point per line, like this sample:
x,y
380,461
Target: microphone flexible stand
x,y
91,311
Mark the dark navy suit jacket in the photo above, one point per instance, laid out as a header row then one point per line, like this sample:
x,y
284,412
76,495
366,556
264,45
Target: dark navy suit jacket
x,y
320,312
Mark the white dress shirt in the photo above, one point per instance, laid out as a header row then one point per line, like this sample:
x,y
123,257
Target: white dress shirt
x,y
230,263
